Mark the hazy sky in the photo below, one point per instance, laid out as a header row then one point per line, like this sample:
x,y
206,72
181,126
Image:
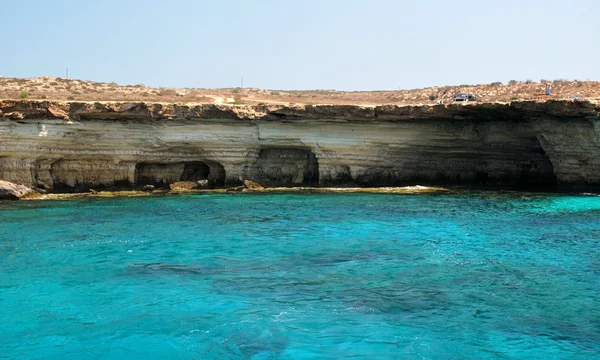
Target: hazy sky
x,y
321,44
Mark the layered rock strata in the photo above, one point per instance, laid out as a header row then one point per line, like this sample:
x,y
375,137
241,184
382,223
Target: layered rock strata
x,y
71,146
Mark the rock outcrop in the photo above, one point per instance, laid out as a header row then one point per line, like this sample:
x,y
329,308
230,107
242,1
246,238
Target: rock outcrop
x,y
70,146
183,186
10,191
253,185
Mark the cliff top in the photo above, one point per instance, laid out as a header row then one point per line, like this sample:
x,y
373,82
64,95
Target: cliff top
x,y
143,111
50,88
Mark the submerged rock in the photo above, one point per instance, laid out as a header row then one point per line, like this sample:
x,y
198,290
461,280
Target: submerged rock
x,y
10,191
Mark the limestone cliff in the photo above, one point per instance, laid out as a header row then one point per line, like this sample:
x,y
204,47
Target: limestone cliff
x,y
67,146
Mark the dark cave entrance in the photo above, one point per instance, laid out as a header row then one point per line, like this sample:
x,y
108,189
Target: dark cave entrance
x,y
195,171
287,167
161,174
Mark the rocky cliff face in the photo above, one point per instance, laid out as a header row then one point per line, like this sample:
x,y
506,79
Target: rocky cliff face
x,y
64,146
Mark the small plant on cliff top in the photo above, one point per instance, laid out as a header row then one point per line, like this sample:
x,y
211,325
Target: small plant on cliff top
x,y
432,96
496,83
514,98
512,82
24,95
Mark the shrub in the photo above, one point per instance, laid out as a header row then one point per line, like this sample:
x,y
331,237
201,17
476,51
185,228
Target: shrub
x,y
145,94
528,81
275,93
236,90
496,83
514,98
512,82
44,97
299,95
579,84
237,100
70,98
544,81
24,95
432,96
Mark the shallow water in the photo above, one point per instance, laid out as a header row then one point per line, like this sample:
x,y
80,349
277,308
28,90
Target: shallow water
x,y
302,276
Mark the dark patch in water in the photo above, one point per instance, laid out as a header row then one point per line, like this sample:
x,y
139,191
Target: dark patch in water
x,y
160,268
249,343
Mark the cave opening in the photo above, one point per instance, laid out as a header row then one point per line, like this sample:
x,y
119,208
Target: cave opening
x,y
163,174
195,171
287,167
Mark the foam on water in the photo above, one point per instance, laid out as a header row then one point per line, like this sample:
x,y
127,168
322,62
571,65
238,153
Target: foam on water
x,y
302,276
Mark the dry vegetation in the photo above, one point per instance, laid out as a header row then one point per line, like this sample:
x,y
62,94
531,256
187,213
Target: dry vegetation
x,y
51,88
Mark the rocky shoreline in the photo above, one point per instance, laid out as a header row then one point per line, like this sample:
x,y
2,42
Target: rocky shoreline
x,y
66,147
409,190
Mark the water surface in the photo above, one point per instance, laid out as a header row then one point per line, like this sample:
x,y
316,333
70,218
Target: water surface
x,y
302,276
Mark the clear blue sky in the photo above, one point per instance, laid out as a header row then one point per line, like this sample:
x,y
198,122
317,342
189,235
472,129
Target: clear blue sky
x,y
309,44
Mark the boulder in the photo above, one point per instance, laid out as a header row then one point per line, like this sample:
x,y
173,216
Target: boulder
x,y
203,184
252,185
10,191
183,185
148,188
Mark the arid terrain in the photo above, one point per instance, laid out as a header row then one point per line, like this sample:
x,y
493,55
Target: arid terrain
x,y
51,88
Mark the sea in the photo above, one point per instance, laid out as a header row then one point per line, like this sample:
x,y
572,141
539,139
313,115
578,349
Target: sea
x,y
463,275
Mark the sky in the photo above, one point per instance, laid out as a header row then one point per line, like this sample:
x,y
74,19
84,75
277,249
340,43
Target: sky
x,y
308,44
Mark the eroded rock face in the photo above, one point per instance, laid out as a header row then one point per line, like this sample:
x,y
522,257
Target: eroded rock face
x,y
10,191
61,146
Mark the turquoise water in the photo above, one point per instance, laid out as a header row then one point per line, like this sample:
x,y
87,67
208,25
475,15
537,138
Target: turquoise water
x,y
302,276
